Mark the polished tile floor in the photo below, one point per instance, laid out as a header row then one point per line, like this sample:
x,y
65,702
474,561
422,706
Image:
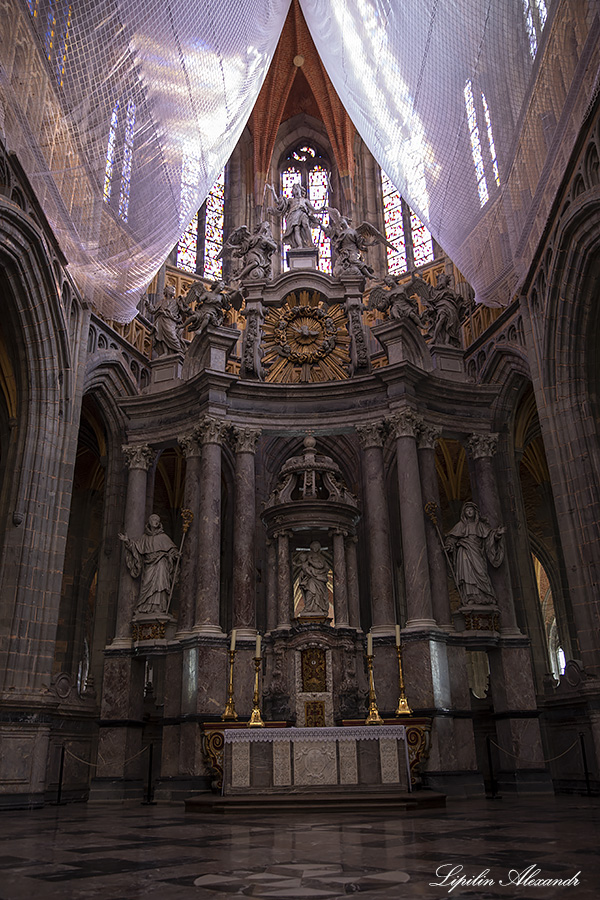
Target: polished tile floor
x,y
161,853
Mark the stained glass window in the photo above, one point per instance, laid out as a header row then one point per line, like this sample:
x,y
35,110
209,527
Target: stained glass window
x,y
476,145
50,29
289,178
490,134
213,229
63,43
394,228
421,241
187,247
110,152
318,194
127,161
33,6
542,12
529,24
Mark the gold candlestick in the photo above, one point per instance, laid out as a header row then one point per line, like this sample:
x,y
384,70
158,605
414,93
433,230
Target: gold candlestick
x,y
403,707
373,718
255,717
229,712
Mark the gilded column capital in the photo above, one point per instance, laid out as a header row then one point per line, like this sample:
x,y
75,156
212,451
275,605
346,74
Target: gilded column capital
x,y
428,436
190,444
139,456
482,445
245,439
371,435
210,430
405,423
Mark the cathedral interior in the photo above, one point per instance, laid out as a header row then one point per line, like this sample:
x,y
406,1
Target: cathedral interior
x,y
299,404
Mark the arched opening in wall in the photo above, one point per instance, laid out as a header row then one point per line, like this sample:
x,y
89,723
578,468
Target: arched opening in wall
x,y
454,487
8,404
74,638
306,167
556,653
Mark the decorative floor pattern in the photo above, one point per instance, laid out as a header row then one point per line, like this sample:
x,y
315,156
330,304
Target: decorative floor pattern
x,y
107,852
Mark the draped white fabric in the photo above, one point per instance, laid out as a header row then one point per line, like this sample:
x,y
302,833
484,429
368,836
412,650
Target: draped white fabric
x,y
172,83
178,79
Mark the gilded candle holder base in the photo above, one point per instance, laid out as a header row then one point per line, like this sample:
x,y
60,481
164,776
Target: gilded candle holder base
x,y
229,713
255,720
373,717
403,707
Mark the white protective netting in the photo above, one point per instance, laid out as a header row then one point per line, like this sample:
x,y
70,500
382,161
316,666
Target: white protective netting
x,y
192,70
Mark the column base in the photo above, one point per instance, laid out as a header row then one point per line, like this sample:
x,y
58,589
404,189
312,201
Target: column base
x,y
120,644
245,633
421,625
208,629
381,630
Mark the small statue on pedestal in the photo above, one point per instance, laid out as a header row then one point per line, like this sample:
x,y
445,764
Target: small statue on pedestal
x,y
211,305
471,544
254,249
168,315
349,243
154,557
312,581
300,216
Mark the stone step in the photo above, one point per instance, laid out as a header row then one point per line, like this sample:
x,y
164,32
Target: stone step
x,y
315,802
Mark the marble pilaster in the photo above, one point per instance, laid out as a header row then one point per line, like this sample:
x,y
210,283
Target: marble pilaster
x,y
139,458
371,437
427,438
192,450
482,448
271,598
352,575
244,523
405,425
340,580
284,579
211,432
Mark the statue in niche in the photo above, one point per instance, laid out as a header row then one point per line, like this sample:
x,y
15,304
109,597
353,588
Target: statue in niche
x,y
399,302
211,305
168,322
300,216
312,580
349,243
444,309
471,544
254,249
153,557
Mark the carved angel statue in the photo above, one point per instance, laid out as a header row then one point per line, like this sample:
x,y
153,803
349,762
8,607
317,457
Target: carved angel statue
x,y
399,301
211,305
300,216
444,309
255,249
349,243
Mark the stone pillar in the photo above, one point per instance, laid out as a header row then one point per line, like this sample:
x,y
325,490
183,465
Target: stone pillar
x,y
340,581
371,437
284,579
244,523
352,574
427,438
481,448
211,433
139,458
192,450
271,598
412,521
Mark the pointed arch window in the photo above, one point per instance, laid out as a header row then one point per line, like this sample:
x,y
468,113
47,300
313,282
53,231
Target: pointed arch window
x,y
403,229
535,13
308,166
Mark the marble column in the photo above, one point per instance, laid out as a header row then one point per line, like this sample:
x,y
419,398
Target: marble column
x,y
192,450
284,579
481,449
244,523
371,437
427,438
405,425
211,433
139,458
353,590
340,580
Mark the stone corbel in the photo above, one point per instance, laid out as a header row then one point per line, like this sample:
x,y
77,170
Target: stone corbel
x,y
139,456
